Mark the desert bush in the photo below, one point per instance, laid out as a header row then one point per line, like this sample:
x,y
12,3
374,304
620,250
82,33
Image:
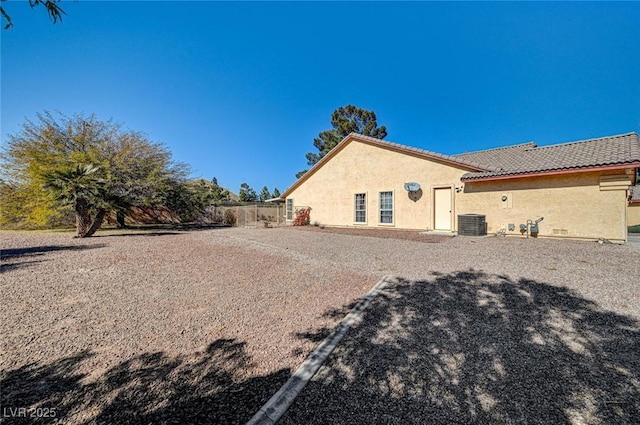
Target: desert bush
x,y
230,218
302,217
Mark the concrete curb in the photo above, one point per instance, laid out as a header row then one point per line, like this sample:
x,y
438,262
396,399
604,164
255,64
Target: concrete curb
x,y
277,405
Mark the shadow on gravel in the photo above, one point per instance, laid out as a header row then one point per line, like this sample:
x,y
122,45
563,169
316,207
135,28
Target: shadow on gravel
x,y
120,235
474,348
35,251
6,254
202,388
318,335
157,230
184,227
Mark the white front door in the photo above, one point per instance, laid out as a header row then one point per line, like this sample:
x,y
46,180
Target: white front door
x,y
442,208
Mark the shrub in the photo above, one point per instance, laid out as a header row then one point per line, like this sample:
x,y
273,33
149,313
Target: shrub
x,y
302,217
229,218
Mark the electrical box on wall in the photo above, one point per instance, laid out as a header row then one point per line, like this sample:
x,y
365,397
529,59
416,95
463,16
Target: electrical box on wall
x,y
506,200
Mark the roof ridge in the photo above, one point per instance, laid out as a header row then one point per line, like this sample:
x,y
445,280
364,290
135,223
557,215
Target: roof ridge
x,y
452,158
609,158
595,139
498,148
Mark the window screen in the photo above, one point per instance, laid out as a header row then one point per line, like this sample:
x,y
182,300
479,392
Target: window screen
x,y
386,207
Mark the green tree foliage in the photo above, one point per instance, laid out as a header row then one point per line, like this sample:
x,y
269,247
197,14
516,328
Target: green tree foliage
x,y
264,194
224,195
188,199
29,206
247,194
55,12
201,195
57,164
81,188
218,193
276,193
344,120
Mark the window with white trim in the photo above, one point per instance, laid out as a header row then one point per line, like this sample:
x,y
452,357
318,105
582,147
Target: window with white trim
x,y
361,208
386,207
289,209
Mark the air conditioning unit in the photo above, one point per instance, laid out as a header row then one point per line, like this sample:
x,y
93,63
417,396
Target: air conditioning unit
x,y
472,225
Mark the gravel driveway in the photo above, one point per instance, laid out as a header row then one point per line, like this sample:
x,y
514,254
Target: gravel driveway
x,y
203,326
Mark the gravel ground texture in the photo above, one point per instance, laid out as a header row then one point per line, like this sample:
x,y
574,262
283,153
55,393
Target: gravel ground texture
x,y
203,326
555,340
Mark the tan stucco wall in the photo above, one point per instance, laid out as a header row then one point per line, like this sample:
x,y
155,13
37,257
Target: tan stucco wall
x,y
573,206
633,214
362,168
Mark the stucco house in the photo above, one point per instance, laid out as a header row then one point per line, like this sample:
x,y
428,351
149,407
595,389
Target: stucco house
x,y
633,210
572,190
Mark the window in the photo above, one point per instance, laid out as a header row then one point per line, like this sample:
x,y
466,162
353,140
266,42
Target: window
x,y
361,207
289,209
386,207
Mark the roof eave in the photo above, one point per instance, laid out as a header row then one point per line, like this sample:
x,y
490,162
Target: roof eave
x,y
552,172
275,200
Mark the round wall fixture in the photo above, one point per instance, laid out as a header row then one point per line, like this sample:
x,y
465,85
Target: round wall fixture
x,y
504,198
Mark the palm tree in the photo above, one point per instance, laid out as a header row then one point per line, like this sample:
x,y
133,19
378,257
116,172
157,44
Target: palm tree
x,y
81,187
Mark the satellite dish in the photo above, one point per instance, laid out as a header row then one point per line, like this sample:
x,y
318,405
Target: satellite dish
x,y
412,187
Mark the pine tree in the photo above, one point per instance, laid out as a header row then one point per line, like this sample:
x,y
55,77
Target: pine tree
x,y
264,194
247,194
344,120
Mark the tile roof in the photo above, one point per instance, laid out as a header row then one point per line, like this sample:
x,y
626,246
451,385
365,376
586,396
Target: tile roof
x,y
468,163
511,161
531,159
496,157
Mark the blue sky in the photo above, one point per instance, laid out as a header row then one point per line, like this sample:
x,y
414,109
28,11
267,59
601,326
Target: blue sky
x,y
239,90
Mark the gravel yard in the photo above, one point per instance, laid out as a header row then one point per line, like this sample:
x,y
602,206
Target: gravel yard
x,y
204,326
